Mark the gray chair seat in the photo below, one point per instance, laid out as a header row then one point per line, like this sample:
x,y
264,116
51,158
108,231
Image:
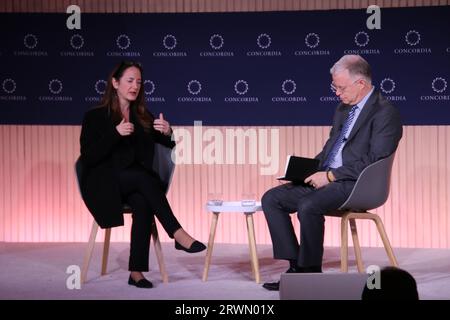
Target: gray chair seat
x,y
371,191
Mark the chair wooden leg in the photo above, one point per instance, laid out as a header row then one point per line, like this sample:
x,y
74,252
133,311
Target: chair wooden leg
x,y
386,243
212,234
250,251
88,253
344,243
356,245
159,254
252,244
106,251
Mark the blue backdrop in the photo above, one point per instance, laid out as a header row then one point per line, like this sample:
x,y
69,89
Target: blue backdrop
x,y
267,68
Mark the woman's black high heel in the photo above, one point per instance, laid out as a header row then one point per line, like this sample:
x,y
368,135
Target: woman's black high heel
x,y
196,246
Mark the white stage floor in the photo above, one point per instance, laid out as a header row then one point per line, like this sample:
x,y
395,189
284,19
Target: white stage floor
x,y
38,271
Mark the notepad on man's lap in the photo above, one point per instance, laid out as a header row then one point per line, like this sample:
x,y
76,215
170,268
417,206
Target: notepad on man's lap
x,y
299,168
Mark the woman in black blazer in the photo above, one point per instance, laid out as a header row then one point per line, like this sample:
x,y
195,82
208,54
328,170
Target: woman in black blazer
x,y
117,147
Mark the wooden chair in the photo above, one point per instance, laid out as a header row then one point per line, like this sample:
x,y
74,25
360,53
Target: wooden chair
x,y
165,167
370,191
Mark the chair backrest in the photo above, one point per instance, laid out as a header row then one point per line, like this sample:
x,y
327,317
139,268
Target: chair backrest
x,y
371,190
79,169
162,164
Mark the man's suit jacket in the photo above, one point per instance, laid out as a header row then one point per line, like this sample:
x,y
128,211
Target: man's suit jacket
x,y
375,135
99,183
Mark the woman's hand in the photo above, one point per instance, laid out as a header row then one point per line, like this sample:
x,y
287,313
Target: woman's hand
x,y
162,125
125,128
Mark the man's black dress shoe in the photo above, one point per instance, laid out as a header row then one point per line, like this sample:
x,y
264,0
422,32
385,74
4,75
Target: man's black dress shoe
x,y
143,283
312,269
275,286
272,286
196,246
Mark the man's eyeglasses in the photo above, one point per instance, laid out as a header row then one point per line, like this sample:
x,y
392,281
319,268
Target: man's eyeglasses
x,y
342,89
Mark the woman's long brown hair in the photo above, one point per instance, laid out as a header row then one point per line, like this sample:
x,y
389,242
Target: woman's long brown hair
x,y
111,101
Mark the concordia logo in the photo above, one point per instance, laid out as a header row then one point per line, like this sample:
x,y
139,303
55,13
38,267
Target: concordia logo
x,y
264,41
438,85
55,86
9,86
9,83
241,88
289,86
312,41
30,42
169,43
362,39
216,42
194,87
387,86
100,88
123,42
76,43
149,88
412,39
332,98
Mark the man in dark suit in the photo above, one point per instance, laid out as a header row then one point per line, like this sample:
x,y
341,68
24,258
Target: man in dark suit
x,y
366,128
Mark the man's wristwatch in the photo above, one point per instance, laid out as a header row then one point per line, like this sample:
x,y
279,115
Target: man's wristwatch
x,y
330,177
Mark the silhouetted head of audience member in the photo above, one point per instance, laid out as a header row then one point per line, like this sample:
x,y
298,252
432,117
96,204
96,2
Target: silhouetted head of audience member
x,y
396,284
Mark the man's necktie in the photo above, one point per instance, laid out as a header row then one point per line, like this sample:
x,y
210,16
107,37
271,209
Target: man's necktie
x,y
329,162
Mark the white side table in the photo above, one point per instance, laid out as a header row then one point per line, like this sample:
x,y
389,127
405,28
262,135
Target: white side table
x,y
248,208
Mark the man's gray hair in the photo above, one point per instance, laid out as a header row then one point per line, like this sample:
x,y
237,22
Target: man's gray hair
x,y
356,65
